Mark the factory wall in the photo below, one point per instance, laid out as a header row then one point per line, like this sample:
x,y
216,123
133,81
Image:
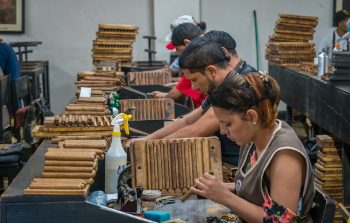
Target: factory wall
x,y
67,29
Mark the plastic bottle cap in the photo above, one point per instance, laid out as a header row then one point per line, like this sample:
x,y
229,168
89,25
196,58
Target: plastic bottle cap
x,y
337,45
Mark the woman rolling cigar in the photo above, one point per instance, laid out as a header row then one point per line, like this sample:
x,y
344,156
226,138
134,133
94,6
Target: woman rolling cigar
x,y
274,181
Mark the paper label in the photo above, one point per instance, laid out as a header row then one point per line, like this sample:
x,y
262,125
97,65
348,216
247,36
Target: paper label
x,y
85,92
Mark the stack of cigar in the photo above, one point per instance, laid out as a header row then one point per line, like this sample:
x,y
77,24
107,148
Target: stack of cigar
x,y
99,146
66,172
295,31
113,43
329,169
59,139
105,84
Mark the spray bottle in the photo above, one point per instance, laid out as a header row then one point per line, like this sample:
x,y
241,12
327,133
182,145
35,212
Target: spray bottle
x,y
116,156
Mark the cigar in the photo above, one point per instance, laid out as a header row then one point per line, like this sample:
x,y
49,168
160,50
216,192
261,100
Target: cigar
x,y
89,119
63,120
76,120
189,193
57,119
70,120
83,120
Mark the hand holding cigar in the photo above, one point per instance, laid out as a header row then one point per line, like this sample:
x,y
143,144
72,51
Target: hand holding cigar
x,y
189,193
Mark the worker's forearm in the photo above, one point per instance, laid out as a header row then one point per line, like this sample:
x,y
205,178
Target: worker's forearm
x,y
167,130
189,132
244,209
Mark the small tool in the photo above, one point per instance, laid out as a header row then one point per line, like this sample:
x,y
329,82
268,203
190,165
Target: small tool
x,y
164,201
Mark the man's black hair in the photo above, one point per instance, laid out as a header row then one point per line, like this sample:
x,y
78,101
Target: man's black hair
x,y
185,31
200,53
340,15
224,39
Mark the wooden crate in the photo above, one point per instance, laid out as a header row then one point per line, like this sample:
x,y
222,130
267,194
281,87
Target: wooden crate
x,y
328,141
148,78
172,165
293,37
295,28
149,109
110,45
311,18
105,38
312,23
118,29
292,47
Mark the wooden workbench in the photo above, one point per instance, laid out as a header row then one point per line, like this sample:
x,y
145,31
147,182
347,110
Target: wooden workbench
x,y
325,105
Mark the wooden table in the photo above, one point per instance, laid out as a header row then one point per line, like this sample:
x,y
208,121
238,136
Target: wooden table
x,y
325,105
18,208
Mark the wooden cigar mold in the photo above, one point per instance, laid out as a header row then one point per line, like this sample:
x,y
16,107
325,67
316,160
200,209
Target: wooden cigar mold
x,y
181,161
80,123
149,78
149,109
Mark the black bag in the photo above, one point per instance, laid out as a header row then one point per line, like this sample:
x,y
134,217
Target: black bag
x,y
311,148
36,108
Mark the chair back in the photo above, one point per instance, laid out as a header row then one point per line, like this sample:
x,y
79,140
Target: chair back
x,y
323,209
21,90
5,105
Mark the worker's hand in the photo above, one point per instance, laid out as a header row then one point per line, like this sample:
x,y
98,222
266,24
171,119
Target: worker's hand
x,y
127,145
211,188
230,186
158,94
171,85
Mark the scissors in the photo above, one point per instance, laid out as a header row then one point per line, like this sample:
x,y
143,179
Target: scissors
x,y
164,201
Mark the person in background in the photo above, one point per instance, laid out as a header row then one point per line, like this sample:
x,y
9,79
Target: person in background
x,y
181,37
8,60
274,180
339,36
205,64
174,67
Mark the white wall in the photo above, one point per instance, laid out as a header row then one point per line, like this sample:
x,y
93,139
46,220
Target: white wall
x,y
67,29
236,18
165,11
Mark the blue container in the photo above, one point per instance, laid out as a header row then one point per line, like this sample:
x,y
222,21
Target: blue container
x,y
99,197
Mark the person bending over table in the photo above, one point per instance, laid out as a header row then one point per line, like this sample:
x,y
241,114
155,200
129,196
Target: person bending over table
x,y
182,36
274,180
205,64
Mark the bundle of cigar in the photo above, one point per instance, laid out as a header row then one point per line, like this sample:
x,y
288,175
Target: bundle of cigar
x,y
149,78
72,122
329,169
63,138
114,43
66,172
172,165
296,31
99,146
103,73
91,101
86,109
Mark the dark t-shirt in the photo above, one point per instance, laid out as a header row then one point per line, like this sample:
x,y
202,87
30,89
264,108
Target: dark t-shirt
x,y
8,61
229,149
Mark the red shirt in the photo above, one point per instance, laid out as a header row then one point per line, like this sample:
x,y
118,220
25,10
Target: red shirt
x,y
184,86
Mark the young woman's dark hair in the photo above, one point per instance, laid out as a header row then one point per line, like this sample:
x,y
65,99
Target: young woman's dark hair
x,y
202,25
258,91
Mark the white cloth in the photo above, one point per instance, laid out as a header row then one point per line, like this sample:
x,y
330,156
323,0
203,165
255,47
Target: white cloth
x,y
327,43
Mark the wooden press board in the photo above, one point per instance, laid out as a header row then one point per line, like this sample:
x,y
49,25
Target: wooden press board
x,y
328,141
172,165
291,46
148,78
293,36
149,109
56,191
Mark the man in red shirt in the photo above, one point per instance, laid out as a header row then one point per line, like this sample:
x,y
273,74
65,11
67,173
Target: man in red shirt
x,y
181,37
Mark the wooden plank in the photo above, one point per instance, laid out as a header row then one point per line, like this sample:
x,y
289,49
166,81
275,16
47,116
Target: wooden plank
x,y
328,170
187,160
327,177
180,164
166,166
156,170
298,21
215,158
329,164
328,155
152,164
55,191
171,190
133,169
141,163
328,141
199,152
327,184
194,159
206,154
